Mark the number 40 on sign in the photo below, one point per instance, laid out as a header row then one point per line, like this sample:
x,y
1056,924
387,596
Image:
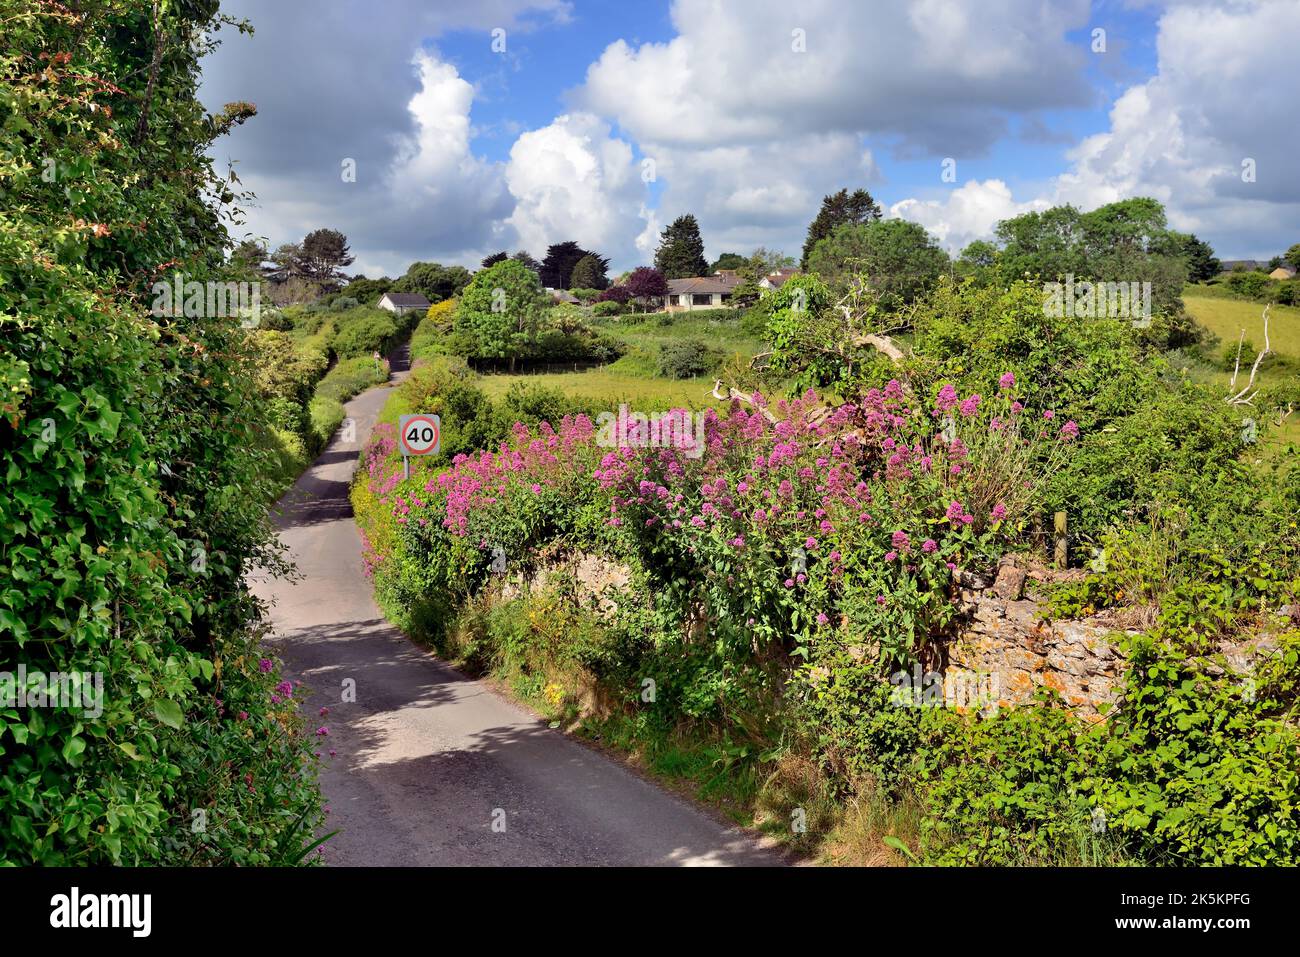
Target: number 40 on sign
x,y
418,435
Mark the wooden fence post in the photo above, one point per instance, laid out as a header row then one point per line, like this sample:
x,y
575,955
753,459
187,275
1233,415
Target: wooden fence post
x,y
1062,552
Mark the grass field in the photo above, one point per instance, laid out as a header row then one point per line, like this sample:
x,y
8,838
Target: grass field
x,y
1226,318
633,379
607,387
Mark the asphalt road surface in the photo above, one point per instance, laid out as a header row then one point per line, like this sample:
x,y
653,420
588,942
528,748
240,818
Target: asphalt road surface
x,y
431,767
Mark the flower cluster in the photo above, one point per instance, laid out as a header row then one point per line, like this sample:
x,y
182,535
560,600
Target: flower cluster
x,y
792,498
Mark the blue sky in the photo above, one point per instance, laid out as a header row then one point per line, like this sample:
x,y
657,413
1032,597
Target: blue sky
x,y
463,149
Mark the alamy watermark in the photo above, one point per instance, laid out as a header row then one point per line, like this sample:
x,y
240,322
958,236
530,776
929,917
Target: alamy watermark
x,y
208,300
978,691
1098,300
674,429
37,689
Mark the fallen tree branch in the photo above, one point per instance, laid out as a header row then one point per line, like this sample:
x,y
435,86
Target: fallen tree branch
x,y
734,393
883,344
1241,398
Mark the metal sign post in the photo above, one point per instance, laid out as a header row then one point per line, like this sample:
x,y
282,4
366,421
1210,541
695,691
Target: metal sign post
x,y
419,434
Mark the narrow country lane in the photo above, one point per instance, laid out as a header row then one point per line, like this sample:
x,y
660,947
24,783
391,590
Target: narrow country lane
x,y
426,759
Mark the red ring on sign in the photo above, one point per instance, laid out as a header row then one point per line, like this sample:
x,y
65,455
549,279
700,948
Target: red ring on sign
x,y
437,433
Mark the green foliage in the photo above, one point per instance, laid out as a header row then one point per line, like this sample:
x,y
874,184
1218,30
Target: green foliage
x,y
1125,241
433,281
368,291
839,209
363,331
503,309
806,334
589,273
896,260
1202,265
686,359
1248,285
1146,433
680,254
135,451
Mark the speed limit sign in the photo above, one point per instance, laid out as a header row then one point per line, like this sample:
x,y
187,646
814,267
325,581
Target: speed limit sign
x,y
420,434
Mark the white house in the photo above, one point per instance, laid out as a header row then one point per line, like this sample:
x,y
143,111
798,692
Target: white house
x,y
401,302
699,292
777,279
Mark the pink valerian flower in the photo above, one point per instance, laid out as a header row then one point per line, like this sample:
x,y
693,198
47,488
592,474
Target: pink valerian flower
x,y
243,716
322,732
971,406
1017,407
900,541
822,619
285,688
929,545
946,399
1049,415
265,665
955,512
891,556
999,512
1069,431
1008,381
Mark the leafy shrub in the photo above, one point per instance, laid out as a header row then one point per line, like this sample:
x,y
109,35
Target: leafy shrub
x,y
686,358
619,294
608,307
274,320
343,304
1248,285
364,331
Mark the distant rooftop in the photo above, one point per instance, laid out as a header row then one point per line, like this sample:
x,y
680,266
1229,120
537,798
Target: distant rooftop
x,y
702,285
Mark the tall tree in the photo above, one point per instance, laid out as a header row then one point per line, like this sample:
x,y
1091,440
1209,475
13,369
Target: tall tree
x,y
681,250
557,266
589,273
490,261
289,261
1202,264
839,209
1293,256
325,252
523,257
728,261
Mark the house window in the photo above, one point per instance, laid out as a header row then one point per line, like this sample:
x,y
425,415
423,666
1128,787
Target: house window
x,y
701,299
672,300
